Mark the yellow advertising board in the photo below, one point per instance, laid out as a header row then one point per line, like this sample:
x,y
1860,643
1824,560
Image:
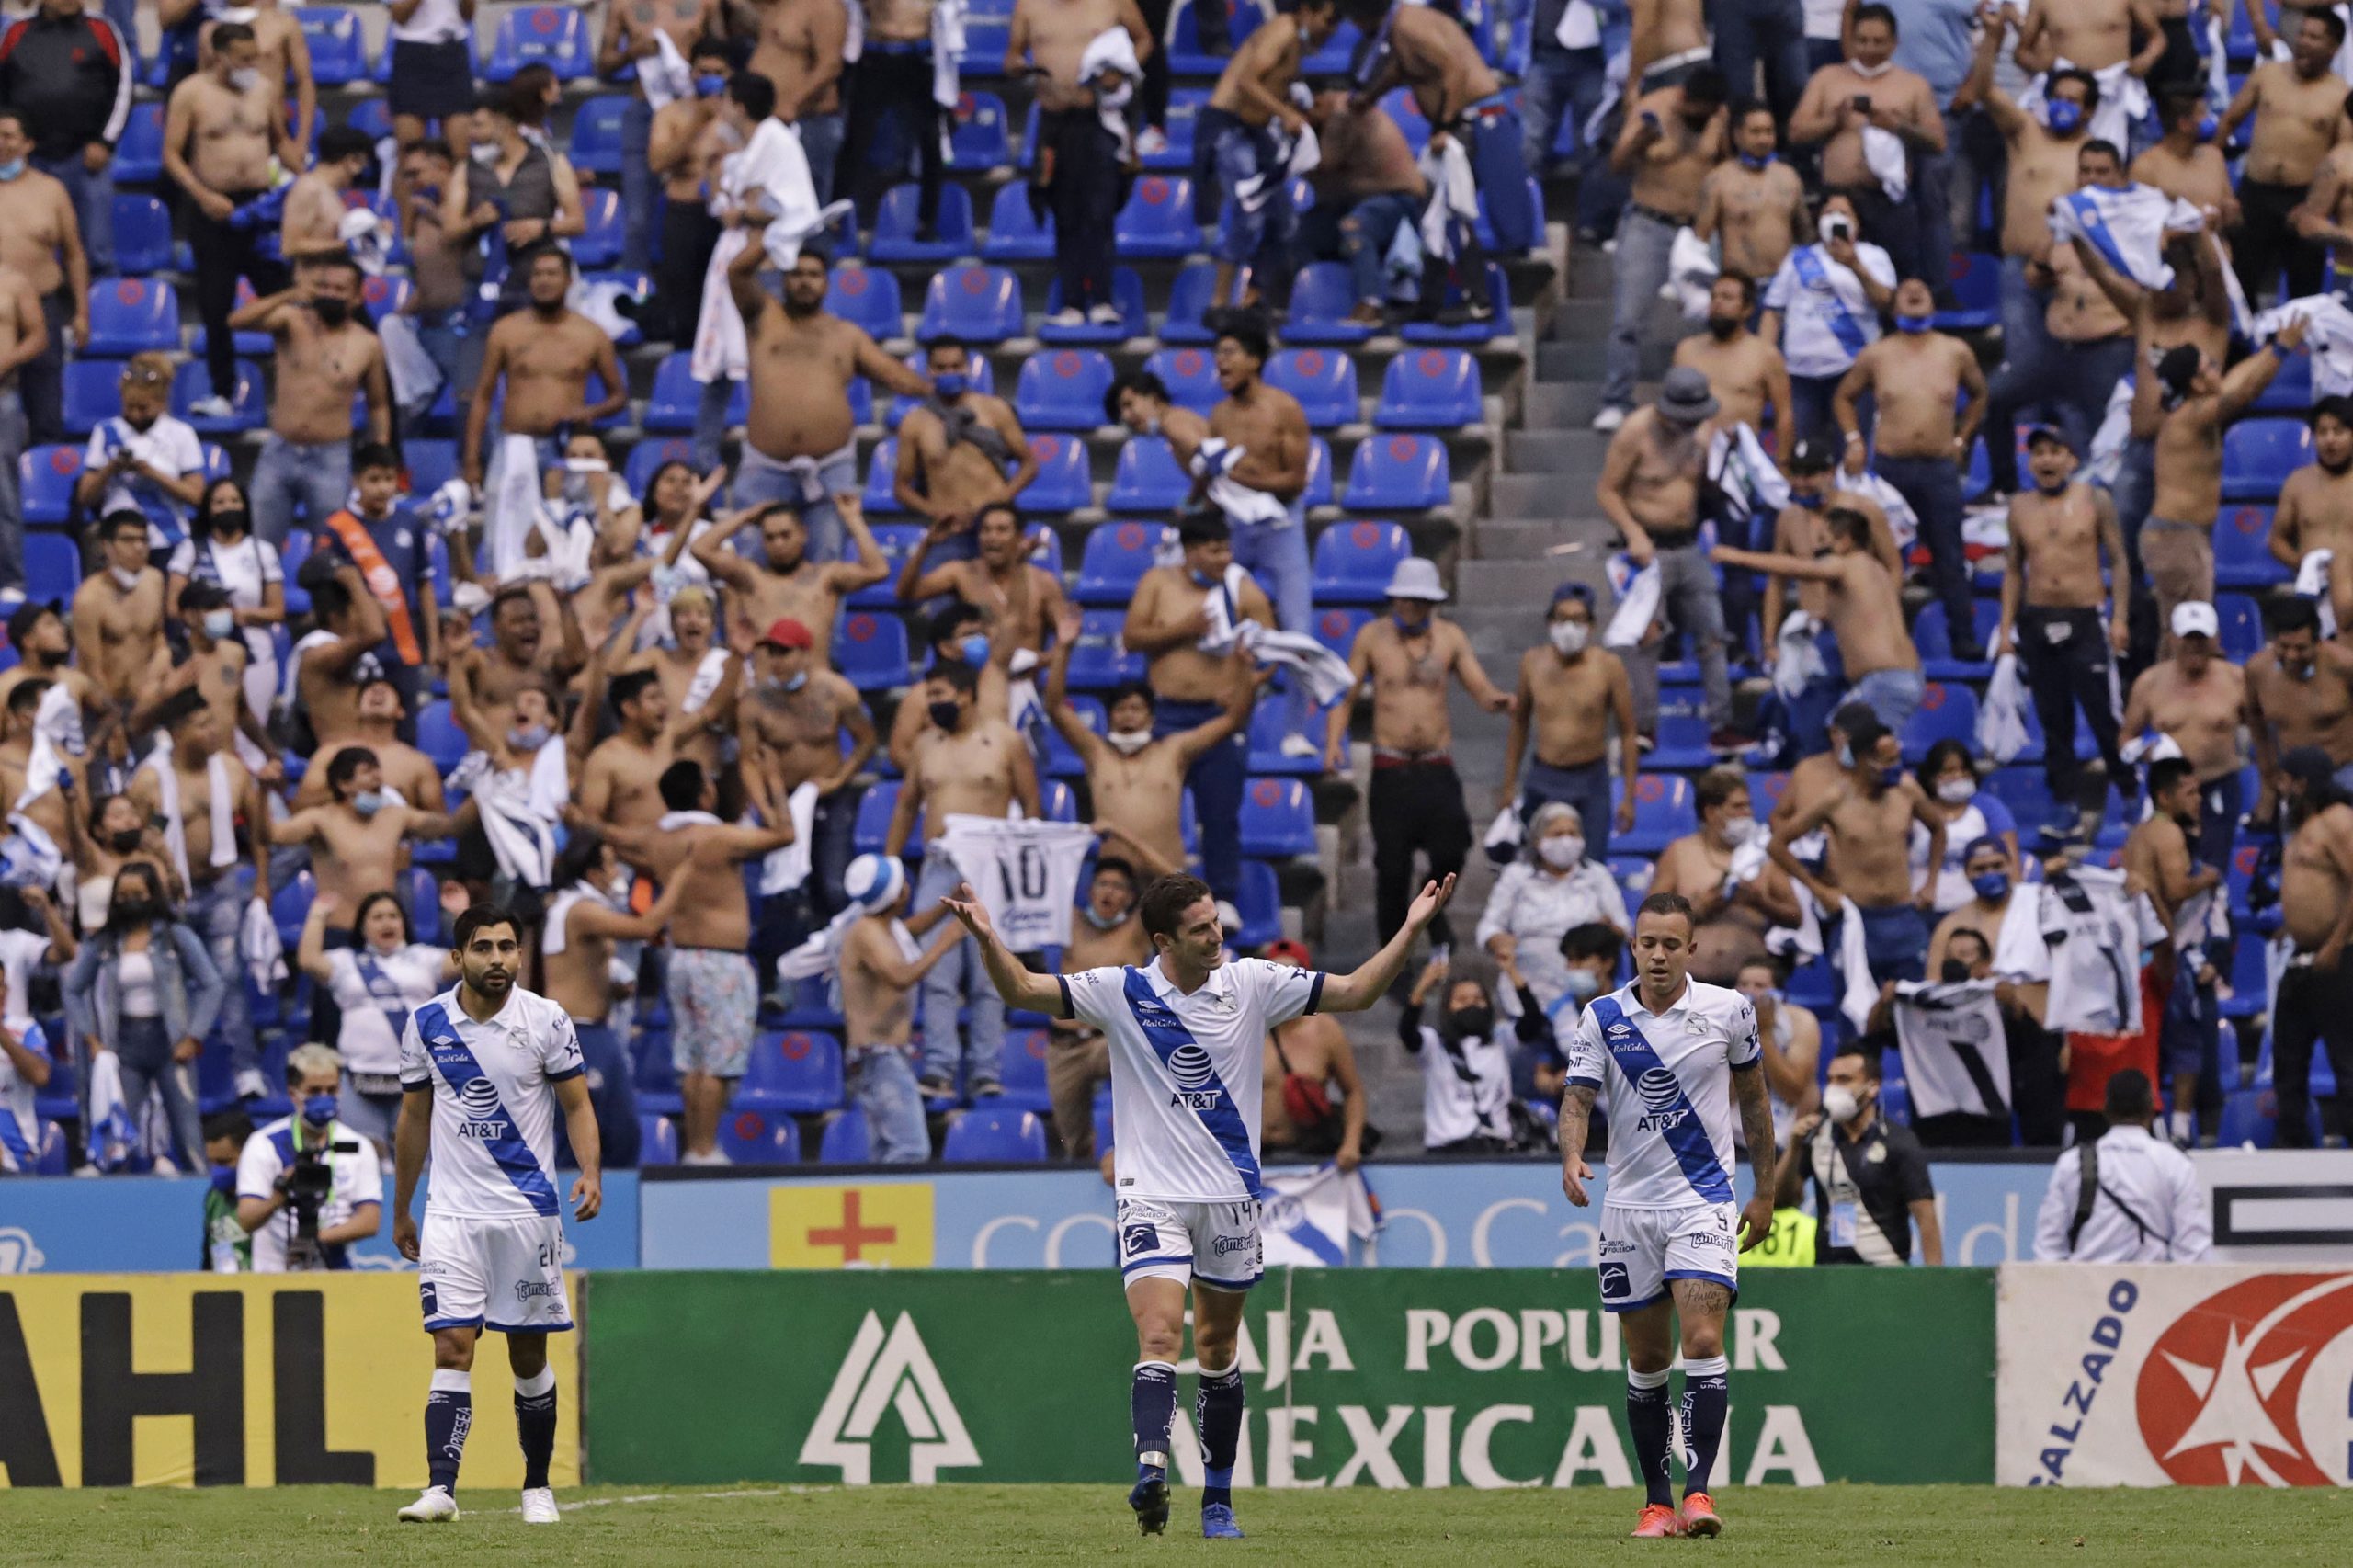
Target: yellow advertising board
x,y
162,1379
863,1224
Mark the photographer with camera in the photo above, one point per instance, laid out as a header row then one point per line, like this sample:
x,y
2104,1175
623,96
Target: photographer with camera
x,y
307,1185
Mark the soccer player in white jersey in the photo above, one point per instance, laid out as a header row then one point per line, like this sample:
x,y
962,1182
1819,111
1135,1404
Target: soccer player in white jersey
x,y
1187,1031
1673,1055
484,1067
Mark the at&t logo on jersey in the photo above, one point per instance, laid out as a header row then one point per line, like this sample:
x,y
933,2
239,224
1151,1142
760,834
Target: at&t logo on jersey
x,y
1196,1076
1662,1094
479,1102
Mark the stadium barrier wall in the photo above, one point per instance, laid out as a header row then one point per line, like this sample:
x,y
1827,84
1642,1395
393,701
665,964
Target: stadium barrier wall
x,y
1395,1379
2174,1374
158,1379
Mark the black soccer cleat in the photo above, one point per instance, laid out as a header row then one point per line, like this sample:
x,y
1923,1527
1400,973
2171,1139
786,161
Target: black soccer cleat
x,y
1149,1498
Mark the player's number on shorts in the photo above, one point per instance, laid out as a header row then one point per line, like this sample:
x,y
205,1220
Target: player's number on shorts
x,y
1025,879
547,1255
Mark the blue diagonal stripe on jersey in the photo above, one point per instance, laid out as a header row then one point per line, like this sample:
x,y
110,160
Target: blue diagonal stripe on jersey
x,y
505,1144
1167,1034
1684,1132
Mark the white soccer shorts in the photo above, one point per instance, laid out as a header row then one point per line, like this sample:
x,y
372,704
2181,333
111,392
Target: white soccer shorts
x,y
1209,1244
506,1274
1642,1249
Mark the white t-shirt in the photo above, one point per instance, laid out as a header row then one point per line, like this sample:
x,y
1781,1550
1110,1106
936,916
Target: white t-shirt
x,y
494,1107
358,1178
433,21
168,445
1466,1092
1824,18
1826,319
1025,872
21,952
1668,1080
17,1097
242,569
375,1015
1186,1070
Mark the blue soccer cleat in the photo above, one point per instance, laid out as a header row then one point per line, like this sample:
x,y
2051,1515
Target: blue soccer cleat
x,y
1217,1523
1149,1498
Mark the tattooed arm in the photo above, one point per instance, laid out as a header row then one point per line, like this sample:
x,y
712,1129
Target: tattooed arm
x,y
1576,1111
1757,1132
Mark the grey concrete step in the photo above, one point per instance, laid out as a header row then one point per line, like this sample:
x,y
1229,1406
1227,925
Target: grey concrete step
x,y
1502,585
1559,406
1574,454
1577,320
1516,538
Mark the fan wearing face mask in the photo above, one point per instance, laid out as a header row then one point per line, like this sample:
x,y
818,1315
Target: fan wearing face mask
x,y
2299,691
961,452
957,635
118,614
1866,874
1969,813
325,358
795,712
1078,1057
1466,1061
2186,162
1139,400
1553,886
1876,123
143,988
1823,306
1865,607
1870,1179
1020,598
1735,891
1754,203
1746,373
1570,691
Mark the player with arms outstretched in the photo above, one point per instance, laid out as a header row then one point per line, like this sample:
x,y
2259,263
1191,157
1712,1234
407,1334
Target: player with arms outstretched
x,y
1187,1031
1675,1055
484,1067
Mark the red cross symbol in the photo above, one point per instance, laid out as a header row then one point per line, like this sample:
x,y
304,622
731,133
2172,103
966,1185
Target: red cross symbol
x,y
852,1237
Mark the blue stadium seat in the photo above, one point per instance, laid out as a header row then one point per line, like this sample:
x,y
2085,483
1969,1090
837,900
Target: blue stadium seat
x,y
657,1077
1355,561
1324,381
874,808
1337,628
289,906
290,556
1977,294
810,1007
1946,712
1319,474
143,235
1016,233
979,137
1186,56
1116,556
2027,793
1401,106
749,1136
1431,389
2259,454
871,651
897,542
1487,230
1127,298
979,304
847,1141
1060,761
1682,744
1099,661
131,315
338,50
996,1133
2248,980
1498,324
439,736
793,1071
1190,375
648,456
1157,222
657,1140
1333,59
869,297
553,35
1321,295
2242,557
45,479
880,498
1061,485
979,370
1062,389
1188,301
1269,726
93,393
2290,390
894,237
1261,904
1399,473
1933,639
597,134
1185,106
677,396
2241,635
386,295
600,243
372,116
1024,1065
1147,478
139,157
1662,813
52,567
985,46
1277,818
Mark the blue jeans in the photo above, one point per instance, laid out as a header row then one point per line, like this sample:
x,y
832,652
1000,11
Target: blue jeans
x,y
1932,485
1216,779
444,338
638,185
1281,554
214,913
1770,33
315,477
1810,397
821,143
760,480
1239,154
144,1053
2072,382
1644,244
1811,709
14,435
882,1086
1895,941
92,199
1586,789
1932,175
953,981
1503,179
1893,695
1366,235
1563,83
2219,806
612,1093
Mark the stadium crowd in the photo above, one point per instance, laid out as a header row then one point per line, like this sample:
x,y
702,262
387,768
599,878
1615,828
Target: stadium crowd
x,y
393,588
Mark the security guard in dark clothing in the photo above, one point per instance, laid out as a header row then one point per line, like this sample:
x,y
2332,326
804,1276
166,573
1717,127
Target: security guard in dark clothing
x,y
1870,1180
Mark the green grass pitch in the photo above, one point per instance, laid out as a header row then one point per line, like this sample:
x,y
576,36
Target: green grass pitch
x,y
1925,1526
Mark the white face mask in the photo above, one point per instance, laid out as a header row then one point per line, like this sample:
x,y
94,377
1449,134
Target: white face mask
x,y
1740,830
1838,1103
219,623
124,579
245,79
1127,743
485,152
1569,636
1956,791
1561,851
1871,73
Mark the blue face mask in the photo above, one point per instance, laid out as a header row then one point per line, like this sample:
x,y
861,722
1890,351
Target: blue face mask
x,y
1408,628
953,384
368,802
1991,886
2208,127
11,169
1811,503
2063,115
1748,163
1889,778
1845,755
710,86
976,649
318,1110
1914,324
1583,984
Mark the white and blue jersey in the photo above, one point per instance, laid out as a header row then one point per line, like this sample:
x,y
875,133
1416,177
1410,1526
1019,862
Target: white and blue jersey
x,y
1826,318
1666,1081
20,1126
494,1107
1186,1070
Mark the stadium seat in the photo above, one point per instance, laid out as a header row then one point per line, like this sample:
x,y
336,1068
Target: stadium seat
x,y
2290,390
847,1141
386,295
45,479
338,50
2242,557
749,1136
52,567
1185,106
132,315
1127,298
1116,556
979,304
1401,106
1277,818
1062,484
1270,726
880,498
439,736
1100,661
1333,59
1946,712
553,35
796,1072
1682,744
373,116
677,396
1016,233
996,1133
871,651
1157,221
1324,381
874,808
1977,294
1337,628
2241,636
597,134
1147,478
1487,230
1319,474
1024,1066
1059,761
138,157
1430,388
600,243
895,239
93,393
1186,56
1663,814
1933,639
657,1140
657,1077
1498,324
289,907
1062,389
897,542
2259,454
984,45
1355,561
1261,906
639,285
1321,295
869,297
647,457
979,137
1399,473
143,235
1190,375
1188,301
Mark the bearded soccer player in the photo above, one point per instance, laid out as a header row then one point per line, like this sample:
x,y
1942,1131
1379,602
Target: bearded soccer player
x,y
1187,1031
1675,1054
484,1067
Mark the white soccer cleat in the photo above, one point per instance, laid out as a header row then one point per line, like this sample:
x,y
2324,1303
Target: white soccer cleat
x,y
538,1506
432,1506
213,407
